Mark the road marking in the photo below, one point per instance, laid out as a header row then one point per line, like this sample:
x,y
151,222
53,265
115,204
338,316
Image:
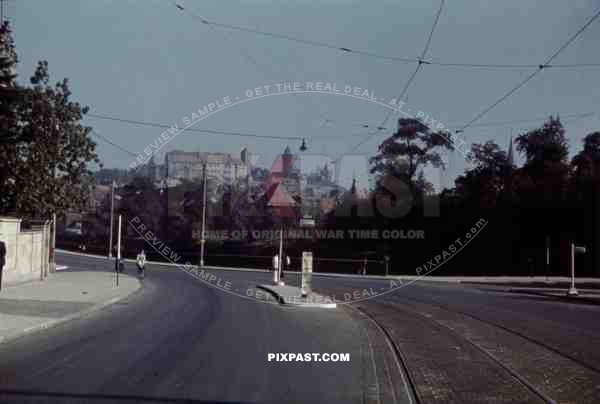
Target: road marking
x,y
61,267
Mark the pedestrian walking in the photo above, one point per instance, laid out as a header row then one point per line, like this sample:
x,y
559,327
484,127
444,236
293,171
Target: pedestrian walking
x,y
141,263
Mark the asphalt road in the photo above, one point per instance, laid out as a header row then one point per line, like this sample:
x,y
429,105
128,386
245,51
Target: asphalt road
x,y
473,344
179,339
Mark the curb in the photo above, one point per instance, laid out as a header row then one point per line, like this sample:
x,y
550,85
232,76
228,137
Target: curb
x,y
212,267
281,300
565,298
70,317
471,281
160,263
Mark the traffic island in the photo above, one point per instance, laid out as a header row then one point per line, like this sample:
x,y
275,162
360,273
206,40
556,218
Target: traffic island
x,y
292,296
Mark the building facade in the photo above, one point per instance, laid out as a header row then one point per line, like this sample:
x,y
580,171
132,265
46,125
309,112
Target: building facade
x,y
224,168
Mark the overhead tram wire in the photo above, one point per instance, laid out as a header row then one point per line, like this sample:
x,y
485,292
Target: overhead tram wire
x,y
347,50
203,131
531,75
568,118
258,66
509,66
530,120
242,50
420,63
116,145
291,38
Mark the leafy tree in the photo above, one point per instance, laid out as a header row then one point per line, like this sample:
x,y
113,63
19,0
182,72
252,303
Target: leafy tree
x,y
483,186
9,127
48,172
406,153
544,177
585,195
10,93
586,164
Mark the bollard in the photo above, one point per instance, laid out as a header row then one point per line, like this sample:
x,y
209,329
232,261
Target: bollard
x,y
307,268
275,270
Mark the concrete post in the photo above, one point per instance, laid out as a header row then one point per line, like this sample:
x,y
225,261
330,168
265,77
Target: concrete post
x,y
572,291
275,270
280,267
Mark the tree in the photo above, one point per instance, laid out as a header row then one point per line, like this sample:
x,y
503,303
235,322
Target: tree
x,y
483,186
406,153
544,177
9,127
586,164
10,92
49,172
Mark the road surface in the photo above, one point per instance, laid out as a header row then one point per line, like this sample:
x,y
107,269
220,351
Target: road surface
x,y
177,338
463,343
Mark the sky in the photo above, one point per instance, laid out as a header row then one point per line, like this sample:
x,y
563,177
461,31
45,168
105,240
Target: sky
x,y
146,60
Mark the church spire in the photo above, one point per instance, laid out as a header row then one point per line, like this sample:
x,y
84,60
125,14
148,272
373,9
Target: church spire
x,y
353,187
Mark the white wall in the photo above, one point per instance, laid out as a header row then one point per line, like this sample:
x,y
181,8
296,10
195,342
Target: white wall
x,y
27,252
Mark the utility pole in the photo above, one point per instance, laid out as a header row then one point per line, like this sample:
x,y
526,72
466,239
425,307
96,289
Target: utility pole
x,y
202,240
547,256
112,215
53,263
54,196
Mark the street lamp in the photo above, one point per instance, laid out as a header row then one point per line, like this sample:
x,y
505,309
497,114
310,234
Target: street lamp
x,y
303,146
202,240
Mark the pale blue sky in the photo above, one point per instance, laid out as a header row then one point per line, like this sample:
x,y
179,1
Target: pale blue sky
x,y
146,60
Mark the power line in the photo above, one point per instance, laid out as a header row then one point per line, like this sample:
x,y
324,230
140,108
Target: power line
x,y
203,131
435,23
242,50
509,123
533,74
409,81
293,38
565,118
510,66
107,140
347,50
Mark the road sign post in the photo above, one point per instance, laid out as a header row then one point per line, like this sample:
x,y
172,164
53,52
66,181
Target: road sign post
x,y
574,250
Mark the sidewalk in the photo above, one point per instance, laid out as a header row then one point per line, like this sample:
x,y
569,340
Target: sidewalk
x,y
292,296
63,296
